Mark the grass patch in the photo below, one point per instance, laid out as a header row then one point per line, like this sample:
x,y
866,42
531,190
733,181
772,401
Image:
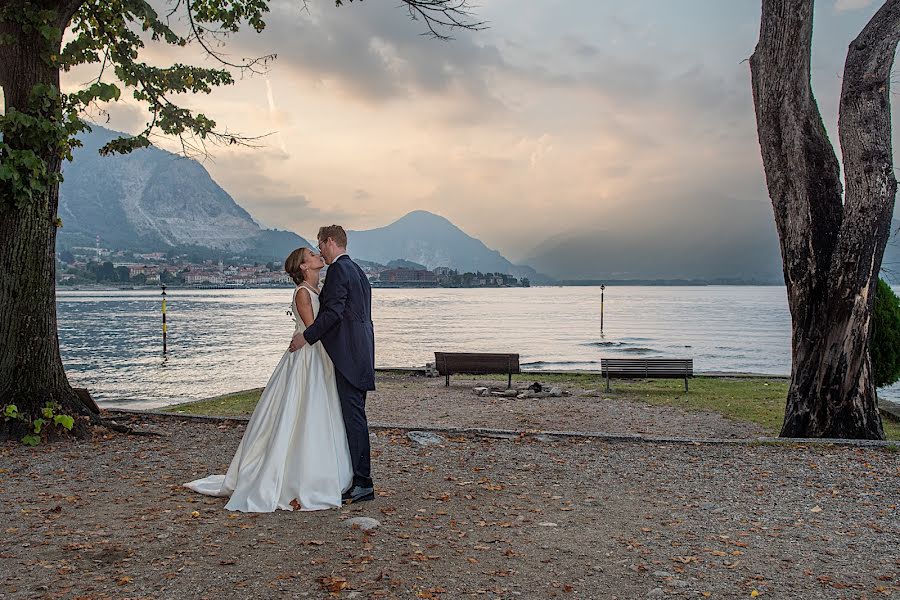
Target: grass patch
x,y
757,400
752,399
228,405
891,429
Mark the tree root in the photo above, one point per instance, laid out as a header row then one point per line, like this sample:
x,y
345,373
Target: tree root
x,y
118,427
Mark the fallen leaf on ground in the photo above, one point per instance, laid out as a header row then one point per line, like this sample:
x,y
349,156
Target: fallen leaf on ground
x,y
333,584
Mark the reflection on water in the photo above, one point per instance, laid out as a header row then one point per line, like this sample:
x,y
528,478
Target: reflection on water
x,y
221,341
226,340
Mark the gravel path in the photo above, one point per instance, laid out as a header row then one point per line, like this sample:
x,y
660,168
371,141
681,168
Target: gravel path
x,y
421,401
471,517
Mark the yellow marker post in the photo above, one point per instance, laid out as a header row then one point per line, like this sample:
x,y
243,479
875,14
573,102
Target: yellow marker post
x,y
165,328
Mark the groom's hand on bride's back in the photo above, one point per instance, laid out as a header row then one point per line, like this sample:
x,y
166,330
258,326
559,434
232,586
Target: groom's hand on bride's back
x,y
297,342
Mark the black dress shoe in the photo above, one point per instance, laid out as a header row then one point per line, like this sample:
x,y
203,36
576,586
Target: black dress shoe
x,y
358,494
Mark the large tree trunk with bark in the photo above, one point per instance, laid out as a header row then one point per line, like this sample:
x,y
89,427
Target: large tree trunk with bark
x,y
31,370
832,243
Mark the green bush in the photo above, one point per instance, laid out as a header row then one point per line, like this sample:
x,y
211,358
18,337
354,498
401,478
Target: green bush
x,y
38,428
884,346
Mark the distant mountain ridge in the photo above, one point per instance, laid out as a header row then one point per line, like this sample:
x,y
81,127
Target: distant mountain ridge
x,y
155,200
633,245
431,240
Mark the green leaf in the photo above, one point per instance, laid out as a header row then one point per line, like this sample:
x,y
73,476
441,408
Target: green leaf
x,y
31,440
65,421
11,411
109,91
47,411
38,425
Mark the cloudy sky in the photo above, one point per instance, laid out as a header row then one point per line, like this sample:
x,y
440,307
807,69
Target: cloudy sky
x,y
564,118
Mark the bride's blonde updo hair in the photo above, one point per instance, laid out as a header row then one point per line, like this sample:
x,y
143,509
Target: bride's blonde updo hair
x,y
293,262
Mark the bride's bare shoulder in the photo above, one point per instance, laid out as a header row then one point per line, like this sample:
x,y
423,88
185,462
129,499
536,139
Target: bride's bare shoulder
x,y
301,296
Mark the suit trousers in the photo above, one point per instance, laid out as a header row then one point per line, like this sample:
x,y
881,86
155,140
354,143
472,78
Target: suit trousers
x,y
353,407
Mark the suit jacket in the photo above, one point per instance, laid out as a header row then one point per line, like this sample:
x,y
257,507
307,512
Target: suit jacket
x,y
344,323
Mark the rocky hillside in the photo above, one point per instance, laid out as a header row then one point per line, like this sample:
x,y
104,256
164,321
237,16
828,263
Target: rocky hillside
x,y
151,200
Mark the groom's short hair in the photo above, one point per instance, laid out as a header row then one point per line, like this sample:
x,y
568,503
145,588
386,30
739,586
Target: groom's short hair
x,y
335,232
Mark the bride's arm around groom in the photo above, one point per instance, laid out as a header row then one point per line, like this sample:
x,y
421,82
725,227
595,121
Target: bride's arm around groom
x,y
331,308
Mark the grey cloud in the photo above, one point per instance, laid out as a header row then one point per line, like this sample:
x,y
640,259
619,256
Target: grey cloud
x,y
579,47
121,116
374,50
272,201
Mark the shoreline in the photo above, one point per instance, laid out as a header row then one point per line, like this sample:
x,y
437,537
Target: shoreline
x,y
889,408
730,406
420,371
137,288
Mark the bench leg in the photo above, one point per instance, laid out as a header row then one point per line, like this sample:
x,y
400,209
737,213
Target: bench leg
x,y
607,382
685,385
448,380
509,383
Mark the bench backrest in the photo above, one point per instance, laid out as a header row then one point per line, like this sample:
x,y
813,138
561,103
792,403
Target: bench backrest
x,y
647,367
476,363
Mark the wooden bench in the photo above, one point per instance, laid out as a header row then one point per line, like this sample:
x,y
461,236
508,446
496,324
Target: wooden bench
x,y
647,368
476,363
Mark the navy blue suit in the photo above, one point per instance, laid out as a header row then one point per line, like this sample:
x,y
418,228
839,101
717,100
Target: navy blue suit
x,y
344,326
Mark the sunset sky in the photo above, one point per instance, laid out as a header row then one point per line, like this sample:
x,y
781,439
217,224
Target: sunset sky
x,y
563,118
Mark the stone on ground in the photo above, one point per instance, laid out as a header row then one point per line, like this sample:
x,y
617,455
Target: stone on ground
x,y
364,523
425,438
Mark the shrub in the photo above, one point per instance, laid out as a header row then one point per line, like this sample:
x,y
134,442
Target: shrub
x,y
884,345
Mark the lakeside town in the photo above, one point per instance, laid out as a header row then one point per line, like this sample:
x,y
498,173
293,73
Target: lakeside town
x,y
87,266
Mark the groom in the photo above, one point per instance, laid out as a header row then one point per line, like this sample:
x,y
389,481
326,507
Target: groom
x,y
344,325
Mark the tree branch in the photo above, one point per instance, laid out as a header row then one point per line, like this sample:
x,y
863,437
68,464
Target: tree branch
x,y
441,14
802,171
67,10
250,64
865,132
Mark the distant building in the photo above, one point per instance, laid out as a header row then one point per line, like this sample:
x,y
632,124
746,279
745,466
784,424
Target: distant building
x,y
407,277
151,272
197,277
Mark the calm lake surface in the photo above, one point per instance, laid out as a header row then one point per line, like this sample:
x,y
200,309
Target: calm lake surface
x,y
227,340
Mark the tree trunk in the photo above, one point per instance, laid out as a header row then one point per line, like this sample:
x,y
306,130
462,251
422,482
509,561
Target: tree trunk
x,y
831,245
31,370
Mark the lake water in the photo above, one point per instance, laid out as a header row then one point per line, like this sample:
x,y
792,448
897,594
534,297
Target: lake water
x,y
227,340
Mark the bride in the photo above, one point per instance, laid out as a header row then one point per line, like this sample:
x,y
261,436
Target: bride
x,y
294,454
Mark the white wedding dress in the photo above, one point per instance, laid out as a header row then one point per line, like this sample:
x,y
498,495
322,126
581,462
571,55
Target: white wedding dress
x,y
295,446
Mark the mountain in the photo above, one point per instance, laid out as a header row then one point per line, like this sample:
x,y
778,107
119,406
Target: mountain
x,y
431,240
745,250
151,199
741,246
405,264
